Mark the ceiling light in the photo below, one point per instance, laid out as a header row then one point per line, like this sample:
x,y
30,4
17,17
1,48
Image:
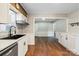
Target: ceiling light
x,y
43,19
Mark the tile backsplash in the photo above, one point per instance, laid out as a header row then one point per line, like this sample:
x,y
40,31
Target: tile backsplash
x,y
4,27
4,30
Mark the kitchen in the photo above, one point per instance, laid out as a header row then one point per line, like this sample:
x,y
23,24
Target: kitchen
x,y
12,29
19,29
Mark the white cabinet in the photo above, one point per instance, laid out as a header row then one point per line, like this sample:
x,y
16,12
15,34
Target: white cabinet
x,y
63,39
22,46
25,45
69,41
5,17
77,44
59,37
73,43
12,17
21,18
4,13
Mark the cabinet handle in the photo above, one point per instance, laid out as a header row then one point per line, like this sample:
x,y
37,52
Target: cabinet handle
x,y
66,38
24,43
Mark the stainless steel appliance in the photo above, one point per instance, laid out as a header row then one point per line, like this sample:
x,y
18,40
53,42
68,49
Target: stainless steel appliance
x,y
11,50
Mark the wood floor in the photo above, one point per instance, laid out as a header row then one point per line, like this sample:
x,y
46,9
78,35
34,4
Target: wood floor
x,y
47,47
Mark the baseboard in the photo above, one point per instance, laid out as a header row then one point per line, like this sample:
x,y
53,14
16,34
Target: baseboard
x,y
74,51
31,43
44,36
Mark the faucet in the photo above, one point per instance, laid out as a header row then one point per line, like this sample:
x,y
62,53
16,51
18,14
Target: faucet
x,y
10,34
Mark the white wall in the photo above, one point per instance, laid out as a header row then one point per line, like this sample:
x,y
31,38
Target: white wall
x,y
29,30
54,16
44,29
60,26
72,18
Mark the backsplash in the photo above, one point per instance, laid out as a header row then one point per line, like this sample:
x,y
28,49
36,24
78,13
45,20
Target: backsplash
x,y
4,27
4,30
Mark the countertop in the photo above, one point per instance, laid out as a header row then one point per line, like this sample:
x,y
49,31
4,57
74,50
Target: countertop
x,y
5,43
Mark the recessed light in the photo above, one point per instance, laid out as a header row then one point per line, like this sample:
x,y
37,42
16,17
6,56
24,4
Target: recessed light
x,y
43,19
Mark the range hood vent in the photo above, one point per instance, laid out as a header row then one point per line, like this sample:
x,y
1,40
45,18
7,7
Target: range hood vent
x,y
21,22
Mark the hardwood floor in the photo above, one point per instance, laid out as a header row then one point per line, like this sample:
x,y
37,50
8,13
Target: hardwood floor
x,y
47,47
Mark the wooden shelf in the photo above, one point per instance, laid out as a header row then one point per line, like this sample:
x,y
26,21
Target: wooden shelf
x,y
19,8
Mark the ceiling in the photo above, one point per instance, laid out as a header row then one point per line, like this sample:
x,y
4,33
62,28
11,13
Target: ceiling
x,y
50,8
46,20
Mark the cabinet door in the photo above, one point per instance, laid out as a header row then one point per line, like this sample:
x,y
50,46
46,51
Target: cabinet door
x,y
63,40
12,17
60,38
21,47
71,42
4,13
65,43
25,45
77,44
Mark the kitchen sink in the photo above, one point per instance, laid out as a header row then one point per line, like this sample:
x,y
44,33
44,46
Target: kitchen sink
x,y
13,37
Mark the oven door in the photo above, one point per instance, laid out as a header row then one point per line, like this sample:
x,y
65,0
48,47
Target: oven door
x,y
12,50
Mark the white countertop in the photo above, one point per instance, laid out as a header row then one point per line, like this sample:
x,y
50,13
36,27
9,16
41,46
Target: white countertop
x,y
6,43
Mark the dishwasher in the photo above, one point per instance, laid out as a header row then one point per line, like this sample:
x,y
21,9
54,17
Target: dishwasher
x,y
11,50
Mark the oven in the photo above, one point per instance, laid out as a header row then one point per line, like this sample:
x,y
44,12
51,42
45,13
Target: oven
x,y
11,50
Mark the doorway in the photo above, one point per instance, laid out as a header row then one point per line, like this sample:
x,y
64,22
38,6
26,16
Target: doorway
x,y
44,27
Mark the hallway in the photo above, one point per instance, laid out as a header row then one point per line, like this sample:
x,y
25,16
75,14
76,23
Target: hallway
x,y
47,47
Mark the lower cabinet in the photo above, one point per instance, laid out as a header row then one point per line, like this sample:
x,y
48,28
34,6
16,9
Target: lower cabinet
x,y
22,46
25,45
74,43
62,39
69,41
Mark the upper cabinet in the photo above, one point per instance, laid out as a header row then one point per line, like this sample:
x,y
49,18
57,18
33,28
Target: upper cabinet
x,y
10,13
21,19
4,13
21,14
13,17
